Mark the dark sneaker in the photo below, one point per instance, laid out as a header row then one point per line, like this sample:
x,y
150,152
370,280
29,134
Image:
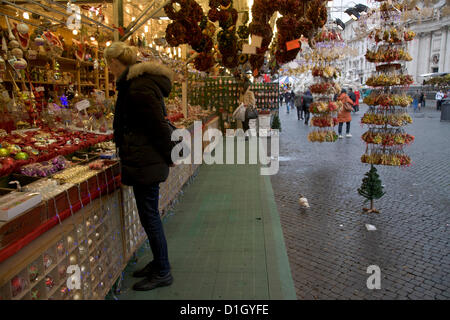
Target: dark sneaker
x,y
153,282
144,272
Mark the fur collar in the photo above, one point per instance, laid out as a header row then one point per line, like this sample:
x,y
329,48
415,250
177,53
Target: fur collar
x,y
153,68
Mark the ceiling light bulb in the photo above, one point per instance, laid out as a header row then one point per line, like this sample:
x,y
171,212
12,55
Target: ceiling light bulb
x,y
133,18
92,38
146,28
108,43
75,32
26,15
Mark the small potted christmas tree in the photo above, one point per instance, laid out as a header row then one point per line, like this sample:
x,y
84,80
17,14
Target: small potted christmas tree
x,y
371,188
276,122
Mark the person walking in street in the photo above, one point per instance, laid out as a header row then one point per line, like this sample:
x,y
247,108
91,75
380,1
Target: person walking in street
x,y
358,96
352,96
307,100
421,100
292,99
143,138
247,97
416,98
345,113
287,97
439,97
298,105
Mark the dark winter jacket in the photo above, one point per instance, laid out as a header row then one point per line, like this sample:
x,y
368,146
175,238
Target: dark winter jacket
x,y
140,130
298,101
307,100
352,96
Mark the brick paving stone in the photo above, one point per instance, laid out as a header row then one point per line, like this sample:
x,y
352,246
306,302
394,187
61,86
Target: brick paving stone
x,y
411,245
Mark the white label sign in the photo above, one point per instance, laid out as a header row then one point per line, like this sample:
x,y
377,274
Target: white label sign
x,y
83,104
256,41
40,89
248,49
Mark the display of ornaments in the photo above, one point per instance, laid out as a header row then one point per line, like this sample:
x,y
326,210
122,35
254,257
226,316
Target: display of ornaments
x,y
387,102
18,284
39,41
49,282
48,260
33,272
20,64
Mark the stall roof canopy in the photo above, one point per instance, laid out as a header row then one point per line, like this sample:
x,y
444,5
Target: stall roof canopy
x,y
435,74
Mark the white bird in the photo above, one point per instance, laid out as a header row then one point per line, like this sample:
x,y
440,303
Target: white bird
x,y
303,201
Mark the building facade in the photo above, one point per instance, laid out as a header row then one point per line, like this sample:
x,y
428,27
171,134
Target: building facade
x,y
428,49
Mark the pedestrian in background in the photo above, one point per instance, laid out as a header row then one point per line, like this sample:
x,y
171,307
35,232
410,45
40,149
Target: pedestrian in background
x,y
422,100
287,97
292,99
307,100
345,113
298,104
439,97
352,96
247,97
415,103
358,96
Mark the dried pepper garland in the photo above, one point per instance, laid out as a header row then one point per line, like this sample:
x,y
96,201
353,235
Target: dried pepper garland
x,y
223,11
191,26
300,17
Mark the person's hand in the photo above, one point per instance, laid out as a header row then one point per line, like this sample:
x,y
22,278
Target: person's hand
x,y
172,165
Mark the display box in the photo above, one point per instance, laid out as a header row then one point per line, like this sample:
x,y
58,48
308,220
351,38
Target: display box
x,y
22,225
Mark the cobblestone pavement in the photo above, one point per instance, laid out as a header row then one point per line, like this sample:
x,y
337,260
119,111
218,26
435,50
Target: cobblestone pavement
x,y
328,245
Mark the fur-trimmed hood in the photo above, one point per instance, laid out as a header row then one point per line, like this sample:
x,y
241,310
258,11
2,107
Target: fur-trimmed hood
x,y
152,68
147,74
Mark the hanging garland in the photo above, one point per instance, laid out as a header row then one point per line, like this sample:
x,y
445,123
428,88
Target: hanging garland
x,y
191,26
223,11
299,18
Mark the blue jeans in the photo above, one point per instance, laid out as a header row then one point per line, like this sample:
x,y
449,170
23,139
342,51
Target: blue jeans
x,y
147,198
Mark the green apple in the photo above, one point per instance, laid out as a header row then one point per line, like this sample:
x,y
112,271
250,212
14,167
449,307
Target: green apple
x,y
4,152
22,156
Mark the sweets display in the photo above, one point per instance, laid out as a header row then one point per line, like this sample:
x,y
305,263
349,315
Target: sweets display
x,y
381,158
387,138
386,100
325,107
388,55
391,35
322,136
384,80
381,119
48,188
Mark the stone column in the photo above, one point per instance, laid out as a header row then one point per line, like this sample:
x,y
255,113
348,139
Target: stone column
x,y
442,51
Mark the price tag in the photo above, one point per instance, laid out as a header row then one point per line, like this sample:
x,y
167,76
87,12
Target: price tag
x,y
248,49
256,41
82,105
40,89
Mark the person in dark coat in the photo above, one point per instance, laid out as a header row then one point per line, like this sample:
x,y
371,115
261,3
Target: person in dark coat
x,y
422,100
298,104
307,100
143,138
352,96
287,98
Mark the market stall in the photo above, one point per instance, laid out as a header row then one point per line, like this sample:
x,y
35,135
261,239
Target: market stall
x,y
62,204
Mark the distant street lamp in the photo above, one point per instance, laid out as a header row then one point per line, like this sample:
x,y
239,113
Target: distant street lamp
x,y
340,24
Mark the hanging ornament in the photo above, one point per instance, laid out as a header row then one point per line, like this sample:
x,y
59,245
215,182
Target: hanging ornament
x,y
57,74
20,64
